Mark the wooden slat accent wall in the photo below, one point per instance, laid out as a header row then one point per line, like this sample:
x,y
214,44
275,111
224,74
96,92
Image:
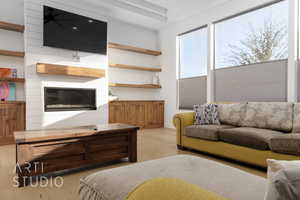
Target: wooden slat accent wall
x,y
144,114
54,69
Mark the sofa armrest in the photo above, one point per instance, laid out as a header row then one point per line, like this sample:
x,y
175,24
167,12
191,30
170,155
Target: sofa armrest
x,y
288,144
180,121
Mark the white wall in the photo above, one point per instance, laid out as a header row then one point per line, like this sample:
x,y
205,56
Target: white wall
x,y
168,47
13,41
120,32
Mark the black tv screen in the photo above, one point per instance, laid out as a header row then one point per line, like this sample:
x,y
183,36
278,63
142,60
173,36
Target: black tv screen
x,y
74,32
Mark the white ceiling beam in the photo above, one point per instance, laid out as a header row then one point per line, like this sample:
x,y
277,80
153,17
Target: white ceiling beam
x,y
149,6
136,9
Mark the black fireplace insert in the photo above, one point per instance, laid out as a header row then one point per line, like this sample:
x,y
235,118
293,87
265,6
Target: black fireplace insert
x,y
69,99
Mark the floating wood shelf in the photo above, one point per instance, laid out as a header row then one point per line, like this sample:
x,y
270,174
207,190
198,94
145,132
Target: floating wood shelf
x,y
54,69
134,49
150,86
12,53
11,27
133,67
17,80
12,102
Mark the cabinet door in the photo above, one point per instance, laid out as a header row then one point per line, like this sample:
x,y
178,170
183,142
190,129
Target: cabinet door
x,y
155,115
2,123
12,118
135,112
117,112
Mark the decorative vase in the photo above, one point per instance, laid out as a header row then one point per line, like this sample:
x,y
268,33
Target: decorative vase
x,y
155,79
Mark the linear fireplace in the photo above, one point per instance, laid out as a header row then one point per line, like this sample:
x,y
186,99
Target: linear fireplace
x,y
69,99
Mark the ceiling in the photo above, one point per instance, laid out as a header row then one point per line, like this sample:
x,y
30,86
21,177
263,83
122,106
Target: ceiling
x,y
154,14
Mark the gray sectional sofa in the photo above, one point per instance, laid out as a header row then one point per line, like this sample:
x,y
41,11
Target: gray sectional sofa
x,y
249,132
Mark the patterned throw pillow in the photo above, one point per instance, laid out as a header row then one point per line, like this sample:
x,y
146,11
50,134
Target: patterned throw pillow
x,y
206,114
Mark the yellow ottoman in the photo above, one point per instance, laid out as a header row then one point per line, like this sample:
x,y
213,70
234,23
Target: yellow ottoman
x,y
171,189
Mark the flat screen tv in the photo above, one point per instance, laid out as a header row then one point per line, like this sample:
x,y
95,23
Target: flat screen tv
x,y
74,32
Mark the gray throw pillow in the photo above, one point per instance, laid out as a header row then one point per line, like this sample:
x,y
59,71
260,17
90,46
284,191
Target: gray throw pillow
x,y
206,114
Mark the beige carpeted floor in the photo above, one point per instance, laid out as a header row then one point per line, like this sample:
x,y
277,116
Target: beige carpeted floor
x,y
152,144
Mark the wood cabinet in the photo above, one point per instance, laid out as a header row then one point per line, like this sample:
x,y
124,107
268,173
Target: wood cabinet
x,y
12,118
145,114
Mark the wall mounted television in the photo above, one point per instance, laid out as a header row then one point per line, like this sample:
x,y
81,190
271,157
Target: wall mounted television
x,y
74,32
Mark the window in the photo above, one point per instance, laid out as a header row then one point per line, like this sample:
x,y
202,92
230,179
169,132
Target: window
x,y
257,36
193,56
193,53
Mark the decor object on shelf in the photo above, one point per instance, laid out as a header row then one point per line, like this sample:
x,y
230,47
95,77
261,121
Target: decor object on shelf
x,y
4,91
111,96
155,79
7,91
8,73
12,92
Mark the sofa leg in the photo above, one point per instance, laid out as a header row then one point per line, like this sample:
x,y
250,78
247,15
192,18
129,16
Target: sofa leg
x,y
181,147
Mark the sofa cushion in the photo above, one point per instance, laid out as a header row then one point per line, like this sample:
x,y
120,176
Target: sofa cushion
x,y
232,114
249,137
206,132
275,116
289,144
296,118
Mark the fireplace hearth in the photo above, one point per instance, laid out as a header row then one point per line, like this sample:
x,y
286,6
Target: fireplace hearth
x,y
69,99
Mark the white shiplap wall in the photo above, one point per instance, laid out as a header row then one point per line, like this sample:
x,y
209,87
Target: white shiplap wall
x,y
35,52
119,32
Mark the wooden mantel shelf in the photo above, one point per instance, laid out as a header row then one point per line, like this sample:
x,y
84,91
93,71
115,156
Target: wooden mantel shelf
x,y
133,67
150,86
11,27
12,53
54,69
133,49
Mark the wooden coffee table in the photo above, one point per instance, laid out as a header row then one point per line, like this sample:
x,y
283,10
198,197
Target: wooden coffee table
x,y
45,151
